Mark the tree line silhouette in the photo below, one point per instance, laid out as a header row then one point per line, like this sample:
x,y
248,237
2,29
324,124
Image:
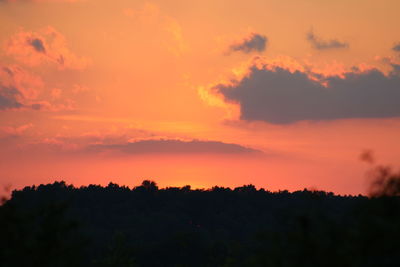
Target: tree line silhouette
x,y
61,225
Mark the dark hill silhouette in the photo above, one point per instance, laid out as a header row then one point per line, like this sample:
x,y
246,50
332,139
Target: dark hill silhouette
x,y
60,225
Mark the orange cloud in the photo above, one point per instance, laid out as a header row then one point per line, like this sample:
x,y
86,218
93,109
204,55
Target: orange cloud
x,y
18,88
171,30
6,131
173,27
44,46
56,93
27,83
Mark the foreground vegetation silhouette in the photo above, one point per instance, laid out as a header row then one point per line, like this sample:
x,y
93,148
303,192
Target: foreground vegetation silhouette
x,y
60,225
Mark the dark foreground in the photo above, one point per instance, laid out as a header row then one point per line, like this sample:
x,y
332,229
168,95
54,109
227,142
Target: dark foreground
x,y
59,225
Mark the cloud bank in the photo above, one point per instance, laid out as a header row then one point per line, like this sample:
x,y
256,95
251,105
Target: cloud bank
x,y
396,47
320,44
280,96
168,146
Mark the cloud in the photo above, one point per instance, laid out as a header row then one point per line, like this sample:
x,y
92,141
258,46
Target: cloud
x,y
14,131
161,26
396,47
164,146
254,42
8,98
44,46
320,44
38,45
18,88
174,29
279,95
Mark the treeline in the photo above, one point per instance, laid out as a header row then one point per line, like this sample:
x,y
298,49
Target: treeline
x,y
60,225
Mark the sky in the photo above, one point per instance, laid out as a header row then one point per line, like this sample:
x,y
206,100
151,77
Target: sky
x,y
282,94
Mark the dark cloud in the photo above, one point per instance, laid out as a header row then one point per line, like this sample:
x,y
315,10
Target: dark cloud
x,y
175,147
36,106
279,96
253,43
321,44
396,47
8,98
37,44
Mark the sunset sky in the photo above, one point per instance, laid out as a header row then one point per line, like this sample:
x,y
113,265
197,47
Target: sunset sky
x,y
283,94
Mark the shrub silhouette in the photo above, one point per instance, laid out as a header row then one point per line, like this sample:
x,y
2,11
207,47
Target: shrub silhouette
x,y
385,182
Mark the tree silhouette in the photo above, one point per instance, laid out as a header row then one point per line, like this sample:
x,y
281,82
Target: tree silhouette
x,y
149,185
60,225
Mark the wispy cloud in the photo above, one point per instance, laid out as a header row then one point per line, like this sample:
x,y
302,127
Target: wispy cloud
x,y
321,44
396,47
254,42
165,26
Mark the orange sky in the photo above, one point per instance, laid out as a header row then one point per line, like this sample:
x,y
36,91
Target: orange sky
x,y
281,94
